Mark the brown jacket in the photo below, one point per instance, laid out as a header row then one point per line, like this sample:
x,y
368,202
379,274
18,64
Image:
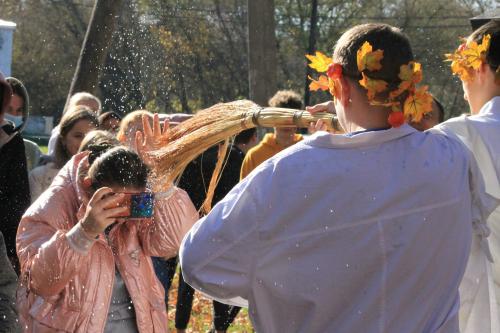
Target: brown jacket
x,y
67,279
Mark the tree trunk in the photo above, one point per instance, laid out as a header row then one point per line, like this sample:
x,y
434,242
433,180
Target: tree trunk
x,y
262,48
95,46
312,46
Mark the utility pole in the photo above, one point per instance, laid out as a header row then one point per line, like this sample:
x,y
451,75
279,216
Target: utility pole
x,y
262,49
95,46
312,46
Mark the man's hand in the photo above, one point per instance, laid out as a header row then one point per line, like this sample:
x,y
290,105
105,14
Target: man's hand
x,y
322,107
318,126
102,210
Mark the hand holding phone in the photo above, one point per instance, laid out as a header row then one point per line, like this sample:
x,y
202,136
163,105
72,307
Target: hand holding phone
x,y
141,205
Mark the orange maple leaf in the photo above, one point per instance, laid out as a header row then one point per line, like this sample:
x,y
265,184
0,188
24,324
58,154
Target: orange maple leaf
x,y
320,84
410,75
418,104
369,59
372,86
319,62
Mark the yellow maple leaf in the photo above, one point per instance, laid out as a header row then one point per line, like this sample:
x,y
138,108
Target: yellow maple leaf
x,y
369,59
320,84
319,61
372,86
418,104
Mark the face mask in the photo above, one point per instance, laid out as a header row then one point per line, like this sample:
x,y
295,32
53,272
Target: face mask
x,y
17,120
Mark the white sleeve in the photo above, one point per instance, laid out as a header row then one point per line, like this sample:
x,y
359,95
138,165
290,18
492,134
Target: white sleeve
x,y
483,204
36,187
217,255
52,141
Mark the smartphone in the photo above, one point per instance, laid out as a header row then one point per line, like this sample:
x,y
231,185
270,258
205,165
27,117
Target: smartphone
x,y
141,204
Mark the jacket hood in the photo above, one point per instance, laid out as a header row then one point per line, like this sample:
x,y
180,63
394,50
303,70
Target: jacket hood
x,y
7,93
71,176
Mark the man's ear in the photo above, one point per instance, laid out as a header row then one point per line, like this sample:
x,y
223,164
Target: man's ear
x,y
344,92
484,71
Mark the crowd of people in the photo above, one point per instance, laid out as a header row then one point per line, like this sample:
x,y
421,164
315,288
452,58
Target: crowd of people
x,y
389,226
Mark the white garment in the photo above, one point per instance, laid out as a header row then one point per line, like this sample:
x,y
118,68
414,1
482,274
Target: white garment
x,y
51,147
40,179
367,233
480,289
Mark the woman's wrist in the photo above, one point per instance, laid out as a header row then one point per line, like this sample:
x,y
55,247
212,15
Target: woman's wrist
x,y
89,231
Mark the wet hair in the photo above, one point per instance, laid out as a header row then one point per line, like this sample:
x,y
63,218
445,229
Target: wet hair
x,y
108,115
395,44
491,28
286,99
245,136
97,142
68,121
132,123
118,166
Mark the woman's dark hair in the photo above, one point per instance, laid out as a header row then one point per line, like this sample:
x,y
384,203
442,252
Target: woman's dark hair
x,y
70,118
118,166
20,90
491,28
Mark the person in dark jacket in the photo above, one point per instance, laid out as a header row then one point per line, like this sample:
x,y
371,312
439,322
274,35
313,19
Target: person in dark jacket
x,y
14,185
8,284
195,180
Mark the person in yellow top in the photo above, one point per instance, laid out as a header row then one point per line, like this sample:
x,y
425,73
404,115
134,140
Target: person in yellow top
x,y
273,143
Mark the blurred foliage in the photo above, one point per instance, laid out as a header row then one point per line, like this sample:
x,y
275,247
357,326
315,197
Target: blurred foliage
x,y
184,55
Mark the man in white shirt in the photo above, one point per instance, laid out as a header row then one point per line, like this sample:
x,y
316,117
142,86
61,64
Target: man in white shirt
x,y
364,232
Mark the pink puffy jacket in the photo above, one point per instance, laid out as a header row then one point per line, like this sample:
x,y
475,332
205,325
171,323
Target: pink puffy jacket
x,y
67,278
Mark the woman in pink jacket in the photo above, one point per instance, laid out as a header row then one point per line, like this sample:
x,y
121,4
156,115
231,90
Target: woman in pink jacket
x,y
85,270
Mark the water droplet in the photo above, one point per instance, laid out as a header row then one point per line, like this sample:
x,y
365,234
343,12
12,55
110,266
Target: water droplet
x,y
317,268
331,211
326,227
346,265
297,244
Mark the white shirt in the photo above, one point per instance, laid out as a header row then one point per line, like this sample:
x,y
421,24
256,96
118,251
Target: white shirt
x,y
480,289
40,179
368,233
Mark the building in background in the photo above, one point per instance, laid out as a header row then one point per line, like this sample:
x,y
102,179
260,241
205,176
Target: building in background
x,y
6,38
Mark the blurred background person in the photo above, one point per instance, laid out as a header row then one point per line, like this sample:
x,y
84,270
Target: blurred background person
x,y
8,282
110,121
75,124
194,181
431,119
80,98
18,114
129,125
273,143
14,186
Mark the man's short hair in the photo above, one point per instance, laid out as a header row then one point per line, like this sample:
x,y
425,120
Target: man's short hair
x,y
391,40
286,99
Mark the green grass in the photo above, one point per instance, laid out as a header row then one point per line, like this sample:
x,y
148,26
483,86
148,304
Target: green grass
x,y
44,149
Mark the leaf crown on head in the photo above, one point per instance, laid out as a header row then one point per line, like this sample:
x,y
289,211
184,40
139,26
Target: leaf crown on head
x,y
468,57
417,103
